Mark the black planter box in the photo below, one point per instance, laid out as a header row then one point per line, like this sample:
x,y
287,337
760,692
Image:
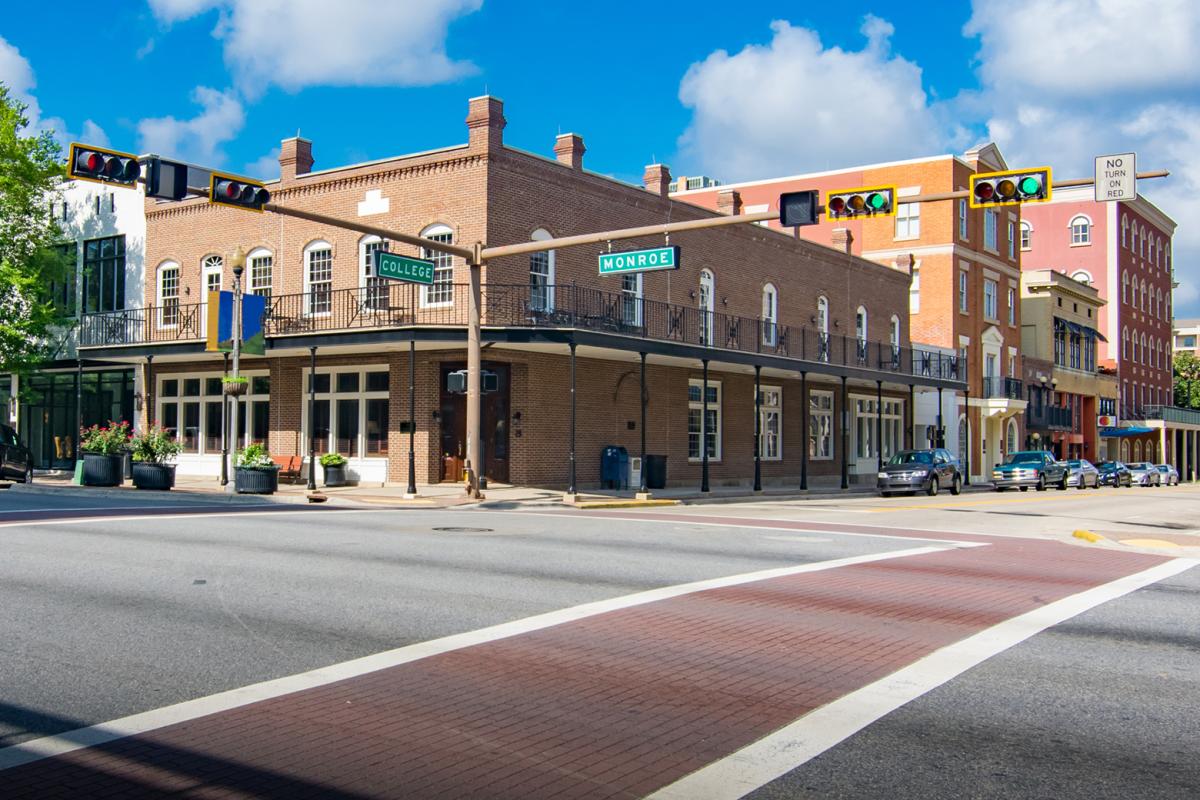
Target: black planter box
x,y
100,469
335,476
255,481
160,477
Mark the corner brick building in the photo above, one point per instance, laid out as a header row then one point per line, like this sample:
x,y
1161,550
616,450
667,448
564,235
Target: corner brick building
x,y
825,330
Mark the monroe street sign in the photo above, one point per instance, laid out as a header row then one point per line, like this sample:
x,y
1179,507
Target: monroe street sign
x,y
403,268
1116,178
640,260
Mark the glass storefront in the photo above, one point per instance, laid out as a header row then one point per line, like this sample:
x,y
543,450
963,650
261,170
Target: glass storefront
x,y
48,419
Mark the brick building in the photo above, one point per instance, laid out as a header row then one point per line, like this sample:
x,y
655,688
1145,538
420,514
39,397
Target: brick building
x,y
1123,249
826,332
965,268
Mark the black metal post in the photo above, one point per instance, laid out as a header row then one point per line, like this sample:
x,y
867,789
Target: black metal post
x,y
412,418
910,422
757,428
879,424
805,413
941,428
704,430
224,423
571,481
78,407
966,424
845,436
643,489
312,419
149,393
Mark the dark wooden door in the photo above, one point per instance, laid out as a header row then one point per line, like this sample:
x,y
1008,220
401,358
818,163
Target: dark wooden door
x,y
494,425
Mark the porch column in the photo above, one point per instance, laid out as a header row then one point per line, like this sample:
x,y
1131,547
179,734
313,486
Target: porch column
x,y
910,419
879,425
411,491
967,433
148,390
1162,444
940,440
643,489
224,421
804,417
845,436
312,418
704,430
571,474
78,406
757,428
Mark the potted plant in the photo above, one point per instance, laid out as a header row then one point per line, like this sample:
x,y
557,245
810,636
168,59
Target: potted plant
x,y
255,471
104,453
334,467
235,386
153,451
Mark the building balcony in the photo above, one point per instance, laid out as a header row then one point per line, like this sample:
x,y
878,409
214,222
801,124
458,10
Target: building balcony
x,y
1186,416
1047,417
999,388
618,316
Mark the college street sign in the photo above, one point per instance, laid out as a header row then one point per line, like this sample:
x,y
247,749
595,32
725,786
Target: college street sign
x,y
639,260
403,268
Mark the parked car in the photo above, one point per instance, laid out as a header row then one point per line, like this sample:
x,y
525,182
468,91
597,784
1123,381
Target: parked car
x,y
16,462
1036,468
1114,473
920,470
1143,473
1170,476
1082,474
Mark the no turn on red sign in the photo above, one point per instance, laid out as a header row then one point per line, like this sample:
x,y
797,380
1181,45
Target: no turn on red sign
x,y
1116,177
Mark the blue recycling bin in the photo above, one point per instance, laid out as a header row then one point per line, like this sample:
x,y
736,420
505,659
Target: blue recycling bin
x,y
614,467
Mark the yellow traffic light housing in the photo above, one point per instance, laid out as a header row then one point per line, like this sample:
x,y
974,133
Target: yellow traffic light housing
x,y
1012,187
231,190
878,201
87,162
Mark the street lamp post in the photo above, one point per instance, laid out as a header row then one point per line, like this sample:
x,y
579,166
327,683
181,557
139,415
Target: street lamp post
x,y
238,262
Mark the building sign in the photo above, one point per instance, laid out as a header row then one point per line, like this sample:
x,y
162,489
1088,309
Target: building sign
x,y
219,330
1116,177
403,268
640,260
1106,421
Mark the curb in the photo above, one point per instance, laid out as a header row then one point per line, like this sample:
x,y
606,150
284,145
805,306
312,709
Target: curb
x,y
589,504
1088,536
213,497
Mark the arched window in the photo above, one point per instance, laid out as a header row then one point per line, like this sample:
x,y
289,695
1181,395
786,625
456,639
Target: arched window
x,y
1167,258
894,332
1158,307
1083,276
1143,294
823,328
1150,247
318,277
1124,449
375,292
1145,353
541,275
770,313
168,294
1159,250
964,440
210,275
705,301
1124,231
860,324
1124,287
261,266
1010,444
1142,241
1026,234
1081,229
441,292
1125,343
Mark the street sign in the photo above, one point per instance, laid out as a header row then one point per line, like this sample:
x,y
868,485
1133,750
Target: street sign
x,y
640,260
1116,177
403,268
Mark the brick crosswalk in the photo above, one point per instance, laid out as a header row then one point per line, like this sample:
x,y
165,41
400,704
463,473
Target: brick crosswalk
x,y
614,705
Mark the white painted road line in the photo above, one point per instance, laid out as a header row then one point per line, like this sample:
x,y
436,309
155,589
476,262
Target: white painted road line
x,y
161,518
790,747
45,747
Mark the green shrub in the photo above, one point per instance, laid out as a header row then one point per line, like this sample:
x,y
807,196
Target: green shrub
x,y
333,460
155,445
255,457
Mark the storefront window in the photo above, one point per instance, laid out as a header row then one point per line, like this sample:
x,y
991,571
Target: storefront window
x,y
350,412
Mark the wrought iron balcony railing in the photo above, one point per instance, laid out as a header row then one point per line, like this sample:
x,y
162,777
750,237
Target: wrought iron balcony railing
x,y
997,387
396,305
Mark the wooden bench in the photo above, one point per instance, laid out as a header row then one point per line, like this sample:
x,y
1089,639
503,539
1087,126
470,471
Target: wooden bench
x,y
289,467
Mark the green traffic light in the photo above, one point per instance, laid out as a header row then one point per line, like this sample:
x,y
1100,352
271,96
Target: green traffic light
x,y
876,201
1030,185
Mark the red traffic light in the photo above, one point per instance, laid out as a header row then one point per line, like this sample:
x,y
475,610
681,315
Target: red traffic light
x,y
837,205
1011,187
103,166
228,190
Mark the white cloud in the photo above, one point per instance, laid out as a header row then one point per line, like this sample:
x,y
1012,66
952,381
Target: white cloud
x,y
1108,81
198,139
265,167
17,74
299,43
794,105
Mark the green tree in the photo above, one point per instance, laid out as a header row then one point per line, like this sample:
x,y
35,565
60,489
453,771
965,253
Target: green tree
x,y
1187,380
31,175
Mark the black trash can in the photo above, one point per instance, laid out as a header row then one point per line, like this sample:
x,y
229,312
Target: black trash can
x,y
656,471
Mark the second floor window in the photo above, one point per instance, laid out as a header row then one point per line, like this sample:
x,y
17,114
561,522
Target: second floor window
x,y
320,279
990,222
1026,235
1012,306
104,274
989,299
168,294
441,293
908,220
962,291
1081,230
963,210
770,303
261,266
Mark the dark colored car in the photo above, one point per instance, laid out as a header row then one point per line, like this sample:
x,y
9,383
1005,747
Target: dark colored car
x,y
1036,468
1114,473
920,471
16,462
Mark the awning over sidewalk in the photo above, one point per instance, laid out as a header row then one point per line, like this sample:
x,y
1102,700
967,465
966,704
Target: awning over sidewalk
x,y
1118,433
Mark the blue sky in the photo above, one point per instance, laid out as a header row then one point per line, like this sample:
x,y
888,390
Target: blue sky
x,y
736,90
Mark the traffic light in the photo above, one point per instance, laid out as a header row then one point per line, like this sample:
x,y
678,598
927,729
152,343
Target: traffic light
x,y
89,163
879,201
456,382
798,208
1010,188
166,180
230,190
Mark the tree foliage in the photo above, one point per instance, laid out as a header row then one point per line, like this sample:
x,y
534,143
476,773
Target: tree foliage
x,y
1187,380
31,174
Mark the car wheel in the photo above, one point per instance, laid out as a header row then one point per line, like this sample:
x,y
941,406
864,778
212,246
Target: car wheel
x,y
1082,483
933,486
1041,484
1062,486
956,486
28,478
1024,488
885,494
1001,488
1096,485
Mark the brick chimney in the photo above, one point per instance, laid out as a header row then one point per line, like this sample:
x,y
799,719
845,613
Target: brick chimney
x,y
569,150
729,202
657,179
843,239
295,157
904,262
485,123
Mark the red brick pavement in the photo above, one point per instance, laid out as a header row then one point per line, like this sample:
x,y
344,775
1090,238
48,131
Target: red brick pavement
x,y
615,705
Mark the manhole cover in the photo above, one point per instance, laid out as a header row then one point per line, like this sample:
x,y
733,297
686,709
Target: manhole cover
x,y
464,530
